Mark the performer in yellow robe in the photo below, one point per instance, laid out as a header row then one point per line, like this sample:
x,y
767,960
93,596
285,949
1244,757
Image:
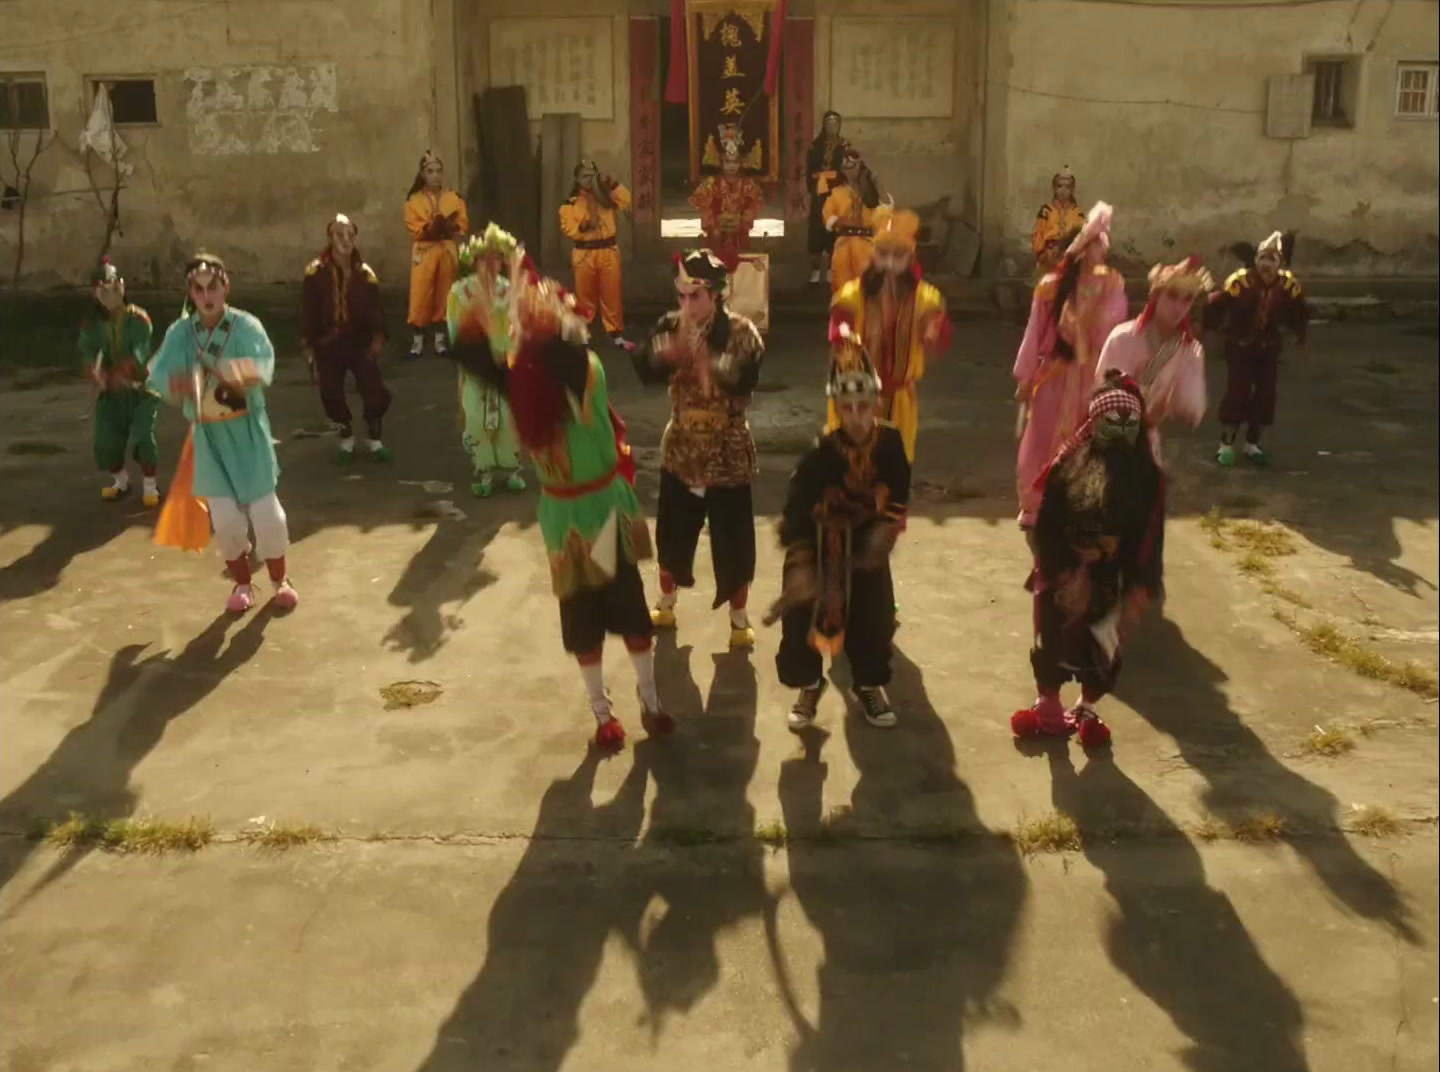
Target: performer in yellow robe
x,y
437,220
587,218
899,318
1056,221
847,214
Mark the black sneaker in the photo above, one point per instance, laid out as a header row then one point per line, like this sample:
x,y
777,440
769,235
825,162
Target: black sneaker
x,y
802,712
876,707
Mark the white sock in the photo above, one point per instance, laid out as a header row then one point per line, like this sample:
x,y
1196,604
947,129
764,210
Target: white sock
x,y
669,599
151,487
594,675
1252,448
121,479
645,677
347,444
376,445
738,618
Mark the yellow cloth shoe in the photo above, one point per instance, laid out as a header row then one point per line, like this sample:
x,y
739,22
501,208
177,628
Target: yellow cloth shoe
x,y
111,493
151,499
742,636
662,617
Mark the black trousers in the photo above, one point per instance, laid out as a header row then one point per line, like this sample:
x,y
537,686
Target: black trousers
x,y
332,363
869,635
681,515
1068,651
618,608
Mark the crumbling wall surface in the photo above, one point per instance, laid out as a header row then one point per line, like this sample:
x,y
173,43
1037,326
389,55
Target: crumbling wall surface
x,y
272,116
1160,110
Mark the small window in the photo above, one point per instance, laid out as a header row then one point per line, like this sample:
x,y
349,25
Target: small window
x,y
23,103
1415,88
132,100
1335,82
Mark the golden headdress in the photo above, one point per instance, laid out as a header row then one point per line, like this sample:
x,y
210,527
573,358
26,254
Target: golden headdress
x,y
895,228
1187,277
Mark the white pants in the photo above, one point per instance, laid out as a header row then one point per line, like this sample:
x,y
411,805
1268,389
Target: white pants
x,y
232,522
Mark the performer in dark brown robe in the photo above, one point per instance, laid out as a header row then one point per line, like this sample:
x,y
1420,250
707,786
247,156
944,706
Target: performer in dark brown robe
x,y
1099,538
342,331
845,509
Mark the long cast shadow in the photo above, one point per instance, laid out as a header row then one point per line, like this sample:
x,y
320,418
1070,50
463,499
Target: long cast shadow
x,y
71,535
701,781
1177,690
546,936
1176,937
917,939
446,570
90,770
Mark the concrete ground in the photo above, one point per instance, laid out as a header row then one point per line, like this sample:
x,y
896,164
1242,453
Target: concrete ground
x,y
496,898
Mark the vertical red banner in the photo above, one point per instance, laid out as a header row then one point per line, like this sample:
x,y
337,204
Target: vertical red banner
x,y
798,85
645,117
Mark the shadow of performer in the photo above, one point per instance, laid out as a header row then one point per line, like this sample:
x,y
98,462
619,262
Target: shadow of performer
x,y
89,772
447,569
702,778
917,938
1173,935
1177,690
546,934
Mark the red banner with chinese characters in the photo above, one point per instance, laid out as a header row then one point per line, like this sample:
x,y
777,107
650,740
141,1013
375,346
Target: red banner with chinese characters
x,y
728,46
645,117
798,56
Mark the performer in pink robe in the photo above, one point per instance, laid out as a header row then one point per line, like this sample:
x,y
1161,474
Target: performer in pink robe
x,y
1075,308
1159,348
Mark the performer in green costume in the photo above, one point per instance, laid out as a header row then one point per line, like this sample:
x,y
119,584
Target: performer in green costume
x,y
115,346
479,305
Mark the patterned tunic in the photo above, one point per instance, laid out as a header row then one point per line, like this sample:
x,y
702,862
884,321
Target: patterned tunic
x,y
707,442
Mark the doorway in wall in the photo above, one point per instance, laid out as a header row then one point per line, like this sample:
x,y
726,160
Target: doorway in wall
x,y
678,218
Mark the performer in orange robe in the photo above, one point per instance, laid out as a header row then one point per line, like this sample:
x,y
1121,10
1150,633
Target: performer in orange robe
x,y
587,218
436,218
728,203
1055,222
848,214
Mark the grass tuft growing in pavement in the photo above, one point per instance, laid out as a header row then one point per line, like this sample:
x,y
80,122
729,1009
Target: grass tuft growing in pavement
x,y
1374,822
1327,741
1256,564
772,834
1210,830
143,835
1049,833
278,837
1260,538
1324,639
1259,828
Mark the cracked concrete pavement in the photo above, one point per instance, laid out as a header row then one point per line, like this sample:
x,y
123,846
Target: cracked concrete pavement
x,y
580,919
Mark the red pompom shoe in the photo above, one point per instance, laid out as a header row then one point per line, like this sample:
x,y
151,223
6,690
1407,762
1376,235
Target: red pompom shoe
x,y
1043,718
1089,727
610,735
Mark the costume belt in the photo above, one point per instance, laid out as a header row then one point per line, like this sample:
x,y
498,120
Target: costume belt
x,y
221,420
706,418
854,232
579,491
595,243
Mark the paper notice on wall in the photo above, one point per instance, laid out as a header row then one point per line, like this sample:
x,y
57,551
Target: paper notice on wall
x,y
259,111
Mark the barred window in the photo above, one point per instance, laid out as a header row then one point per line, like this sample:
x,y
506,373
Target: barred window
x,y
23,103
1415,89
1329,106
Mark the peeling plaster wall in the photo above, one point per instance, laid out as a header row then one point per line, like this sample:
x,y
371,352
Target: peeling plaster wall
x,y
918,160
1160,110
273,116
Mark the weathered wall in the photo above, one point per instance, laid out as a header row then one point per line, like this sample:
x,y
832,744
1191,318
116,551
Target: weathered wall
x,y
308,109
918,159
1160,110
